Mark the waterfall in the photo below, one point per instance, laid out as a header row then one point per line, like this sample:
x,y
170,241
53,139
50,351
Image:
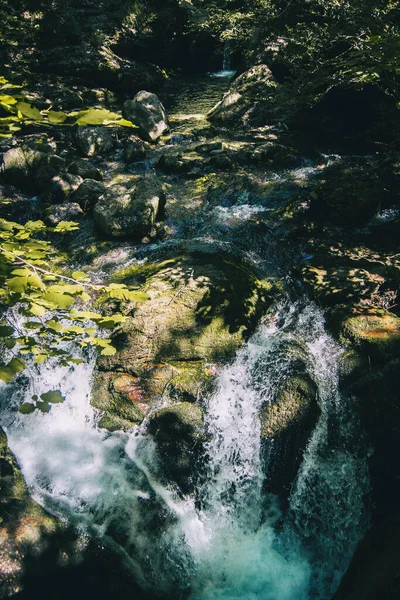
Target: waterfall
x,y
226,63
230,541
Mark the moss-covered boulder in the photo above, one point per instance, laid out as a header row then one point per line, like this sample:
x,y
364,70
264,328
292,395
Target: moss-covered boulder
x,y
201,308
61,187
179,433
249,98
88,193
130,213
67,211
85,169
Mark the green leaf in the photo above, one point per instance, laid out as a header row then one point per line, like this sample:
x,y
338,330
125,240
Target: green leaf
x,y
26,408
79,276
63,301
108,351
44,407
8,372
55,116
36,310
6,331
29,111
64,226
54,397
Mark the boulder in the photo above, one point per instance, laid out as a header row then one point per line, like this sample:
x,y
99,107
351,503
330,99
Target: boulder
x,y
248,99
201,308
88,193
130,213
94,140
68,211
28,169
179,433
85,169
176,163
347,195
288,417
147,112
61,187
134,151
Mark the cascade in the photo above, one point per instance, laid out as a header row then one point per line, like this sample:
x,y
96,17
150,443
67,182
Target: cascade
x,y
230,540
226,63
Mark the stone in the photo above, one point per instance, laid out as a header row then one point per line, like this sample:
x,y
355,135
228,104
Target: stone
x,y
248,99
92,141
19,166
130,213
85,169
208,147
179,433
88,193
347,195
134,151
68,211
147,112
61,187
277,155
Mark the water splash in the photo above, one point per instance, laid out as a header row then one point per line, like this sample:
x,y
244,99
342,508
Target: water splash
x,y
230,541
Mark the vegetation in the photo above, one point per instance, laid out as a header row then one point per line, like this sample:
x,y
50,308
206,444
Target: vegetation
x,y
42,307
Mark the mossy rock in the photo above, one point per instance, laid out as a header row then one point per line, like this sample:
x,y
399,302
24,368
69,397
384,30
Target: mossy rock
x,y
122,399
375,332
201,309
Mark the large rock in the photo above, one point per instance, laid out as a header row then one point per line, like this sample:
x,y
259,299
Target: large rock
x,y
94,140
67,211
85,169
21,166
61,187
288,418
130,213
249,98
88,193
147,112
201,308
348,194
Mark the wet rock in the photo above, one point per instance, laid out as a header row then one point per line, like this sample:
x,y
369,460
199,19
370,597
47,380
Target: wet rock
x,y
347,195
277,155
88,193
376,332
287,420
130,213
147,112
206,148
221,161
180,164
351,365
19,166
85,169
68,211
122,399
134,151
179,433
94,140
248,99
61,187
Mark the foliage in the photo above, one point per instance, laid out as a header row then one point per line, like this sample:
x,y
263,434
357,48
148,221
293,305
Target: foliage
x,y
18,112
43,308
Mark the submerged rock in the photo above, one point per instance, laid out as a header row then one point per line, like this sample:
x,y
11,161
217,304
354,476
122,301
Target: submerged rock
x,y
130,213
147,112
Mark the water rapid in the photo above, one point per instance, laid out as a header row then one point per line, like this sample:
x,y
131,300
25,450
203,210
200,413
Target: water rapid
x,y
232,539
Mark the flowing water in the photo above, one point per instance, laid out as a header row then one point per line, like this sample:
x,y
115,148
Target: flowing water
x,y
231,539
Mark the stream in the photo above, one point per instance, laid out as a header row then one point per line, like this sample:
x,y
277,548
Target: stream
x,y
231,539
